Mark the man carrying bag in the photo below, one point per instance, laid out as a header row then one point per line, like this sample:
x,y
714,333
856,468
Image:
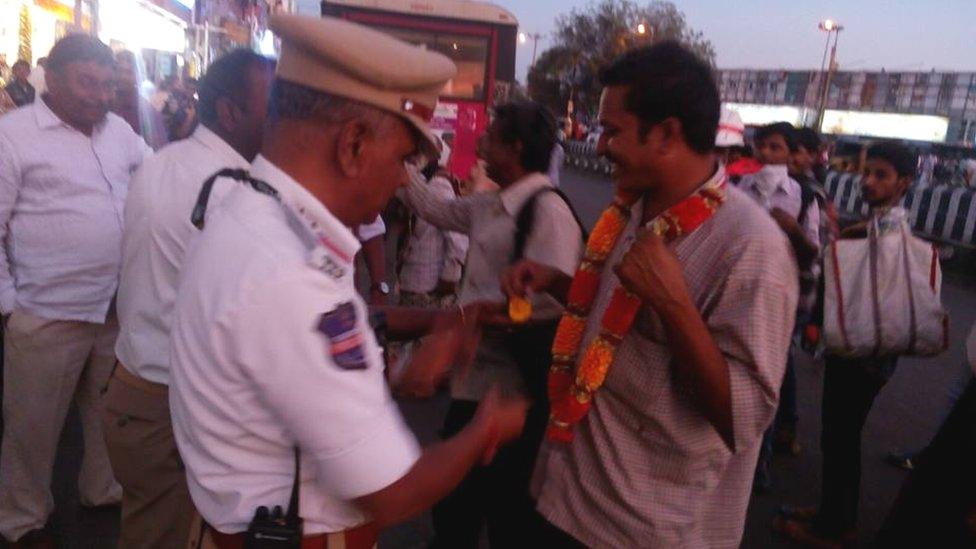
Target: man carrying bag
x,y
881,301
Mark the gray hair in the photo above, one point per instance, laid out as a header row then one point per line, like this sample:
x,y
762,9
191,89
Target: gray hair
x,y
296,101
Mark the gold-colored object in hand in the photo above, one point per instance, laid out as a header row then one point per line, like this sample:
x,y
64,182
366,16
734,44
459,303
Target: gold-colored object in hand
x,y
519,309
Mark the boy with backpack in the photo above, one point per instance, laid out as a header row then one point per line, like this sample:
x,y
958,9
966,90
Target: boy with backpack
x,y
795,208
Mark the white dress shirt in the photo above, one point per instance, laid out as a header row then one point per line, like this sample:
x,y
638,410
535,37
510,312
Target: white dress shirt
x,y
157,233
270,349
489,219
773,188
556,164
61,199
38,79
432,254
369,231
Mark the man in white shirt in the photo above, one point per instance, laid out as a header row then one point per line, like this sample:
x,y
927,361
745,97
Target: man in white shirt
x,y
274,363
38,77
799,218
65,165
156,507
526,219
372,236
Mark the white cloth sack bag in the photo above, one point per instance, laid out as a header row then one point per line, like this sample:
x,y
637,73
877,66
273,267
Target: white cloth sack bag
x,y
882,294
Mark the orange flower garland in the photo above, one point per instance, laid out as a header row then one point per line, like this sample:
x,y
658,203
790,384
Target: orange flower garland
x,y
571,393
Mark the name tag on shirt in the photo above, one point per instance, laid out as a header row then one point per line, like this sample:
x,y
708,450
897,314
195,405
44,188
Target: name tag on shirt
x,y
345,340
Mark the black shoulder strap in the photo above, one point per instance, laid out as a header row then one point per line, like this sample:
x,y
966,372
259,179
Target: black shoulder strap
x,y
808,195
526,219
200,209
291,515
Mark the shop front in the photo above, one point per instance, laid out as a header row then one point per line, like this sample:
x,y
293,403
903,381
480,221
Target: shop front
x,y
154,30
29,28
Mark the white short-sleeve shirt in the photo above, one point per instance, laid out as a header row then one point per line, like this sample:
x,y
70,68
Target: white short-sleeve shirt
x,y
271,348
369,231
156,236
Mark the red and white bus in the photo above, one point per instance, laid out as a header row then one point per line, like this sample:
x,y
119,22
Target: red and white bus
x,y
479,37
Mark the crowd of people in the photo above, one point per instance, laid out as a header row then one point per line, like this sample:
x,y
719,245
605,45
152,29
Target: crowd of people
x,y
159,114
189,281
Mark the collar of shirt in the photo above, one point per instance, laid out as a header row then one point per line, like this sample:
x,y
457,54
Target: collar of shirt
x,y
212,141
790,187
47,119
637,210
328,231
515,196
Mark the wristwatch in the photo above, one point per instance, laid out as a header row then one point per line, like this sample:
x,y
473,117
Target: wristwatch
x,y
381,287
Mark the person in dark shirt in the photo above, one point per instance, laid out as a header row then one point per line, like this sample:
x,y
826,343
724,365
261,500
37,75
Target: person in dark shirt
x,y
20,89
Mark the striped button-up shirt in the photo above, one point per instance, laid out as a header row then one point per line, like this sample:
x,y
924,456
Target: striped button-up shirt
x,y
62,194
646,468
432,254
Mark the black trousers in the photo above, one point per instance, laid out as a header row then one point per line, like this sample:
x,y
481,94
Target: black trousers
x,y
496,494
939,496
850,387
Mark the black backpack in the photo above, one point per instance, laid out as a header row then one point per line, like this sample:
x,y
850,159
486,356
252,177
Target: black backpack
x,y
531,345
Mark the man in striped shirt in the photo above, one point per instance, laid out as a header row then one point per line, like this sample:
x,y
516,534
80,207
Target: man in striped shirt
x,y
665,457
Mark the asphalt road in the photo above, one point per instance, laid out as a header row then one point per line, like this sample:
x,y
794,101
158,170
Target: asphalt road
x,y
905,416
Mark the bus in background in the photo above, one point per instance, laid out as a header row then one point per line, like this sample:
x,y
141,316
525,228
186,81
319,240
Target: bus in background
x,y
479,37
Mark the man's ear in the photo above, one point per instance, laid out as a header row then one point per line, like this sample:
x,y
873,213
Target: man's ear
x,y
351,143
904,183
671,133
228,114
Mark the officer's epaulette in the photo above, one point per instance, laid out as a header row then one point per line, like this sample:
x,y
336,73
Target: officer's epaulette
x,y
318,256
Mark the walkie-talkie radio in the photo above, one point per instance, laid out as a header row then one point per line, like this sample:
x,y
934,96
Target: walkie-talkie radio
x,y
271,529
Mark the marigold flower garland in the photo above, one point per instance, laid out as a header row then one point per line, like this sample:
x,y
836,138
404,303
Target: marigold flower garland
x,y
571,393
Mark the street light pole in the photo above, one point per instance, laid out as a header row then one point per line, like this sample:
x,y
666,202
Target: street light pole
x,y
831,27
823,65
535,36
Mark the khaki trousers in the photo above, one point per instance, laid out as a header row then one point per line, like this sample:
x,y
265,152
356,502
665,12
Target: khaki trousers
x,y
156,506
47,365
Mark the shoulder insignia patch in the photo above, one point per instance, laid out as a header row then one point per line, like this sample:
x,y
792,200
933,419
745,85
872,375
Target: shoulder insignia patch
x,y
345,340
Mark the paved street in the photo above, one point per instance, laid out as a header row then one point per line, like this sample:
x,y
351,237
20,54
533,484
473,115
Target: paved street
x,y
905,415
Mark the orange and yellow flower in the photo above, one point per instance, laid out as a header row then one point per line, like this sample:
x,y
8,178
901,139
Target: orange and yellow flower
x,y
571,394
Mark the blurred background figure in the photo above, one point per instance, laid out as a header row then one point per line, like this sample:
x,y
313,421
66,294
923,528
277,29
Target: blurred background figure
x,y
37,76
162,93
19,89
180,109
730,139
132,106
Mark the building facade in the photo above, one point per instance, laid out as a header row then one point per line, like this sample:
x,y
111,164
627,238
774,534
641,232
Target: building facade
x,y
948,95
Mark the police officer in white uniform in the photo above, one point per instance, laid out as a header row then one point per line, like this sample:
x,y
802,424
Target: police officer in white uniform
x,y
271,348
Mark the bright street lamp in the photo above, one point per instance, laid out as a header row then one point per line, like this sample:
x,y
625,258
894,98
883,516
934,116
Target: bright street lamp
x,y
641,28
828,25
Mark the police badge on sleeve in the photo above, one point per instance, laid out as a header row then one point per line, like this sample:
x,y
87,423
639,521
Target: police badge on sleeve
x,y
345,340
